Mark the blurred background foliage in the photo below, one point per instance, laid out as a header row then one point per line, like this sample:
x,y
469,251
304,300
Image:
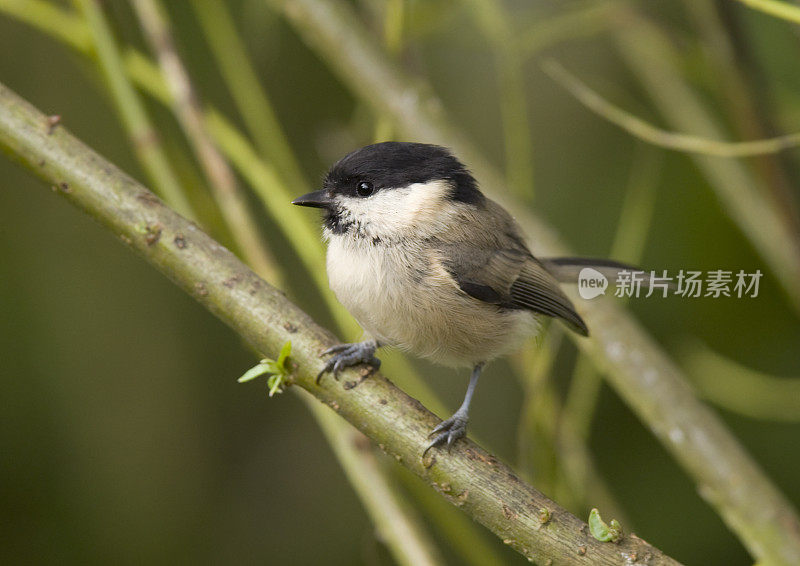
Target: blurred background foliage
x,y
124,436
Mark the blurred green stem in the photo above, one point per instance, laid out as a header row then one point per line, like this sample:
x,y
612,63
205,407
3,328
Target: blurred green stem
x,y
397,524
644,376
775,8
260,314
585,20
536,434
144,137
250,98
185,105
494,22
52,20
742,390
586,383
628,246
551,453
472,545
393,24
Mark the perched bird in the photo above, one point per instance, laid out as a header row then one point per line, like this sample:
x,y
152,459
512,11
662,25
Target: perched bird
x,y
426,263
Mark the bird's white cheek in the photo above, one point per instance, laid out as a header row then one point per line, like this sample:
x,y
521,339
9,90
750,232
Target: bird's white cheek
x,y
393,212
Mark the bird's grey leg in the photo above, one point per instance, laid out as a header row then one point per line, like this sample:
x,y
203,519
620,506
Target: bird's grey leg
x,y
346,355
456,426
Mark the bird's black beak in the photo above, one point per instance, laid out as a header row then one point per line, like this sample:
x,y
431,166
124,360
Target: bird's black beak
x,y
317,199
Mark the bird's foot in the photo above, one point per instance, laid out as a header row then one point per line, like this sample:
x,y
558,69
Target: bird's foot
x,y
347,355
449,430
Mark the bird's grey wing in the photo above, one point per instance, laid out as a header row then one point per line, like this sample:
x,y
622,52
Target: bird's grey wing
x,y
510,278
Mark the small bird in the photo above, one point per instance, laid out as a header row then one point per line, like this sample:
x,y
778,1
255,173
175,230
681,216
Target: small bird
x,y
428,264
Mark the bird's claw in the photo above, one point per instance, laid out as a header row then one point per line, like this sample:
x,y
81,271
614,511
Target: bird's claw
x,y
336,349
347,355
448,431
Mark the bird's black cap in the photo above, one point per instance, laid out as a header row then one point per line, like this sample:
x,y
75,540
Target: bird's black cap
x,y
391,165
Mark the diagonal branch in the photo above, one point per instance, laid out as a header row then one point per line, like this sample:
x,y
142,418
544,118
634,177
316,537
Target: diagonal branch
x,y
469,477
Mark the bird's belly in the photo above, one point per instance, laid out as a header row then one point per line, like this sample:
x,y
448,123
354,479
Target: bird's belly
x,y
457,333
421,310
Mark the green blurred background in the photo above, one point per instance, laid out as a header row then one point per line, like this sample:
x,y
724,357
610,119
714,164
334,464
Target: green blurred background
x,y
124,437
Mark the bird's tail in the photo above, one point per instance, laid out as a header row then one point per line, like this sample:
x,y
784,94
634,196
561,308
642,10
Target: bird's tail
x,y
567,269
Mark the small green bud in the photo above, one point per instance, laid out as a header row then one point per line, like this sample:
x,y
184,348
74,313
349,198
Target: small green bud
x,y
277,370
603,532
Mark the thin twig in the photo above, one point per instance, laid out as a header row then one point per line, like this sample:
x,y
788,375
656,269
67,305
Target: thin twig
x,y
231,200
636,366
651,134
468,476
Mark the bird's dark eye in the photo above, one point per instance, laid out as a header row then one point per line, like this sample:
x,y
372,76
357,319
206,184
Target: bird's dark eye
x,y
364,188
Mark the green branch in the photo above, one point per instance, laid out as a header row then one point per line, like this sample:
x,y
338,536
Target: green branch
x,y
468,476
